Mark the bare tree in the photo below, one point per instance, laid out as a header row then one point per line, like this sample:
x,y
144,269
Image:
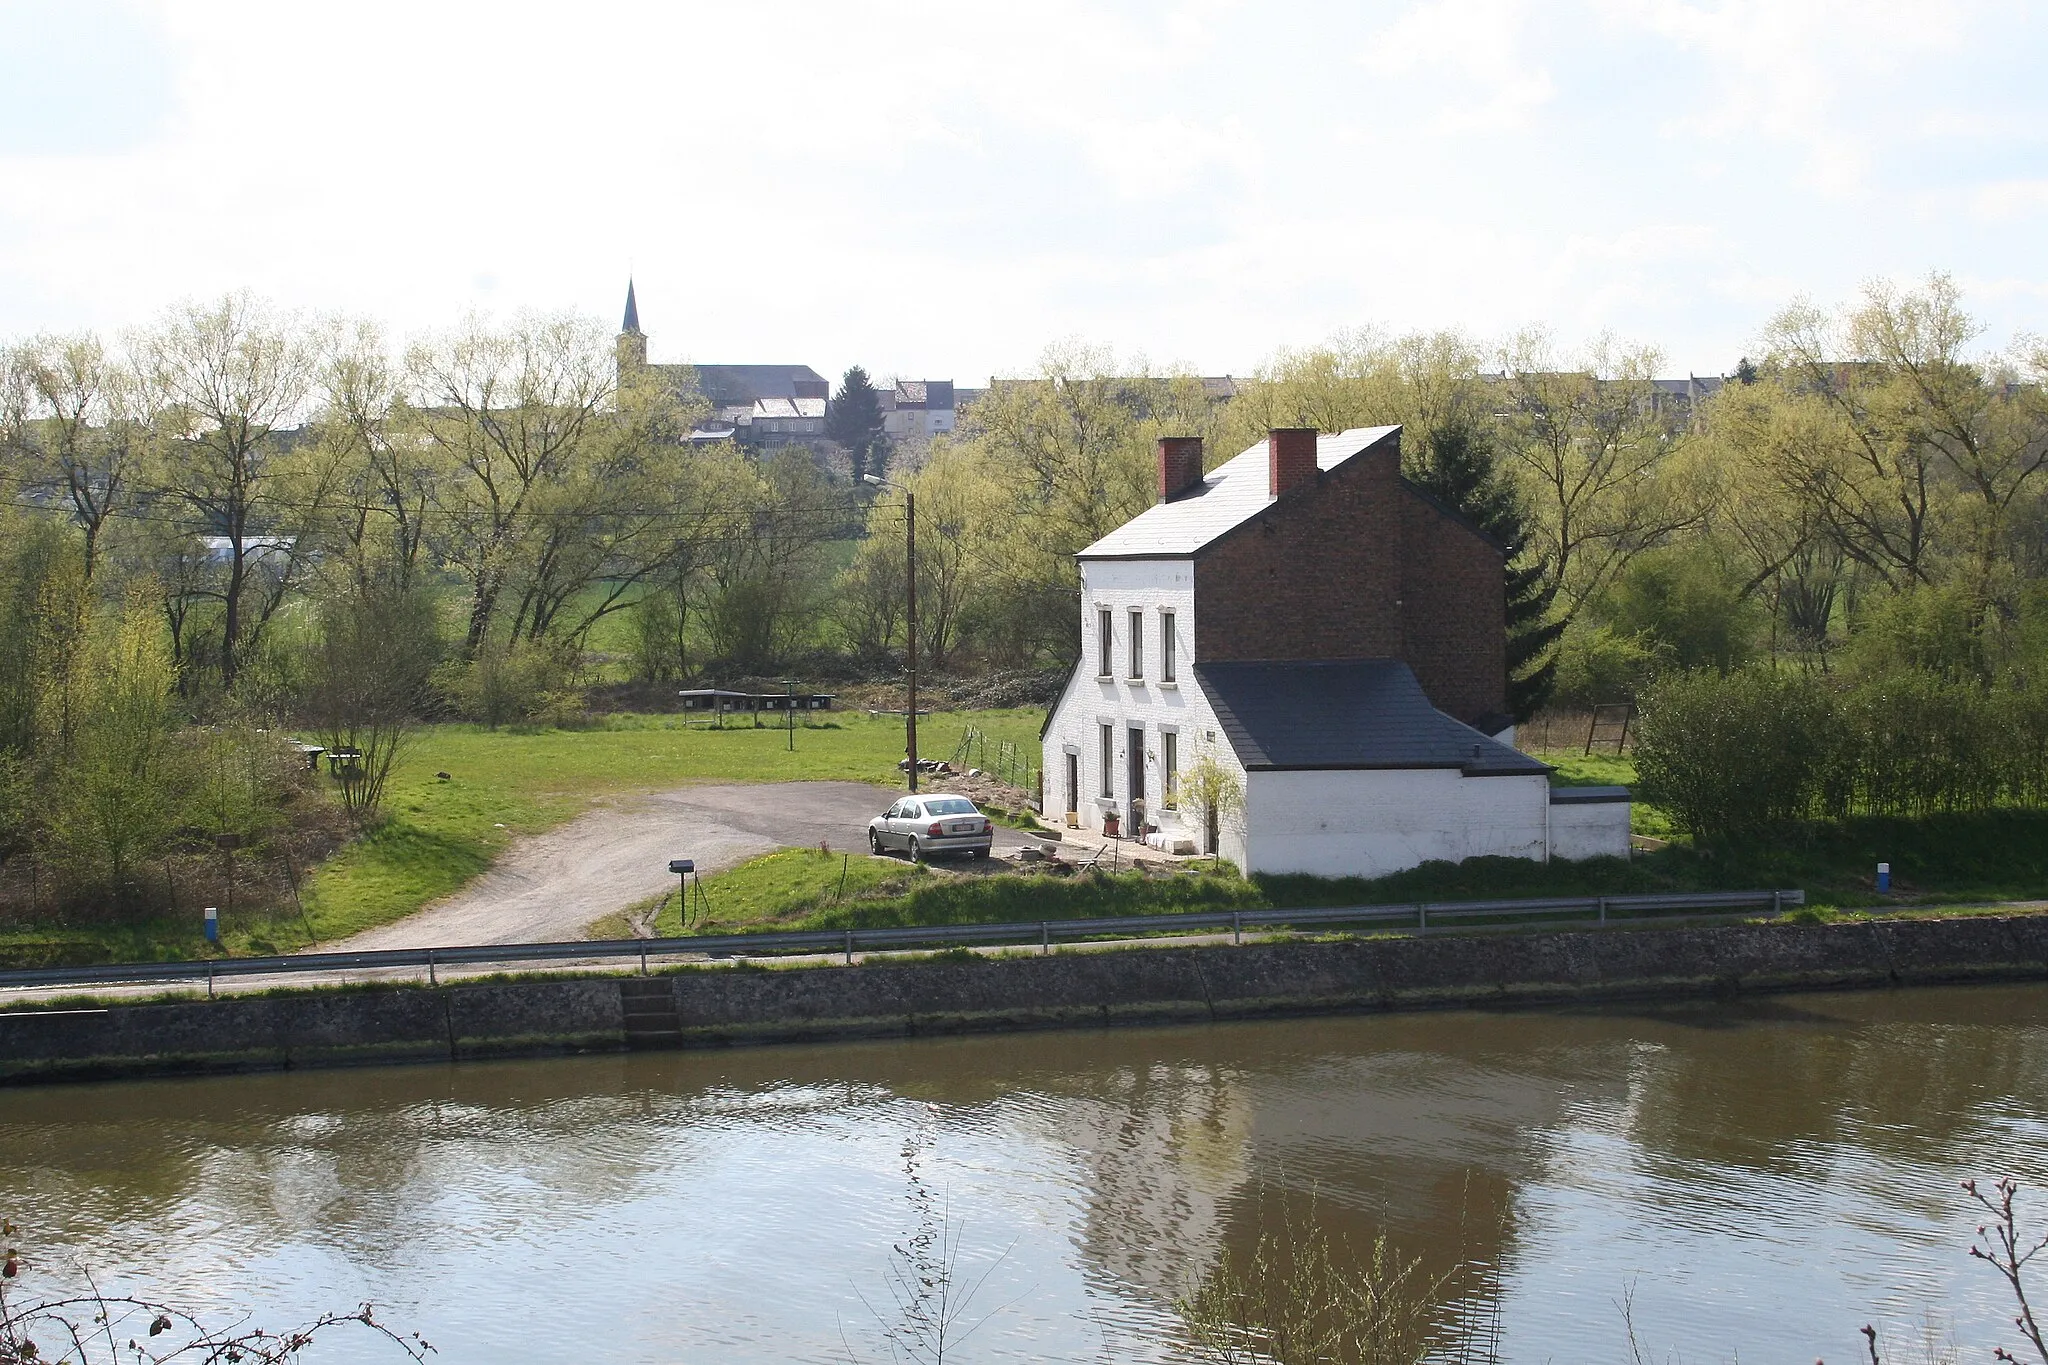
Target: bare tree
x,y
230,379
511,410
1596,460
84,434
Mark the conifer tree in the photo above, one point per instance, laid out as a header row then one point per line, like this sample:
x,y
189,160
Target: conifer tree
x,y
854,420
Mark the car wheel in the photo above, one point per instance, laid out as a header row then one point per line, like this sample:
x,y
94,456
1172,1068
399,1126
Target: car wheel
x,y
874,843
916,853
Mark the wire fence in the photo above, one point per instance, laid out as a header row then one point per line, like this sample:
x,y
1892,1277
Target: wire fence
x,y
1418,918
1009,762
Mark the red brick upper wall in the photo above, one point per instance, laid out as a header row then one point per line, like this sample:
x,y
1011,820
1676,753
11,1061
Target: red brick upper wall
x,y
1361,567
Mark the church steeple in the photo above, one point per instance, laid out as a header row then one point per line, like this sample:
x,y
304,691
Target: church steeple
x,y
632,343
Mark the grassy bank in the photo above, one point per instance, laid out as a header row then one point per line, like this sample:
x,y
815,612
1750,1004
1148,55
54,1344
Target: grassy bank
x,y
503,784
2000,856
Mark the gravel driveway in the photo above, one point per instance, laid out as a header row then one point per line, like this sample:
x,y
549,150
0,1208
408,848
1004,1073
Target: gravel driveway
x,y
547,888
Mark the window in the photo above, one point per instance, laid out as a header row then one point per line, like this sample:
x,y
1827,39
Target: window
x,y
1167,646
1102,633
950,805
1169,767
1137,644
1108,759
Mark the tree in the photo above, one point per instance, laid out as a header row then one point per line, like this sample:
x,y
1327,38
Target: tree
x,y
230,379
1074,446
376,651
388,476
854,420
510,410
1595,459
110,727
75,420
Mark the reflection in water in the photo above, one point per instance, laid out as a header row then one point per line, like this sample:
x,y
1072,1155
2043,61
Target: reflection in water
x,y
1767,1176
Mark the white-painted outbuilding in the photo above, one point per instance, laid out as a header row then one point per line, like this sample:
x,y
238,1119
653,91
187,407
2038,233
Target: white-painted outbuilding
x,y
1343,766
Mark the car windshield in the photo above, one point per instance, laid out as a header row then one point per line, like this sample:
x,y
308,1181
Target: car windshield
x,y
949,805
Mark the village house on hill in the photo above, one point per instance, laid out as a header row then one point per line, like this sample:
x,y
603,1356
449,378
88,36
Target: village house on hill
x,y
1332,637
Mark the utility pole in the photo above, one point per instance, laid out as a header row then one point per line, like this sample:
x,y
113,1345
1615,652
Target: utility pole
x,y
910,581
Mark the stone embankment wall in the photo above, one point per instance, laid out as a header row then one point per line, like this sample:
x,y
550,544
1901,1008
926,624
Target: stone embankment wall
x,y
720,1006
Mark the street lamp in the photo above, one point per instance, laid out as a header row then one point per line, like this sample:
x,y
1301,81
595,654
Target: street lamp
x,y
910,585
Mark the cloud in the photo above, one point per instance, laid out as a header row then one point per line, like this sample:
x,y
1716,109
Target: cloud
x,y
1472,58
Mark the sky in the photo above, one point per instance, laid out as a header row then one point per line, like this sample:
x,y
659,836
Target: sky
x,y
944,190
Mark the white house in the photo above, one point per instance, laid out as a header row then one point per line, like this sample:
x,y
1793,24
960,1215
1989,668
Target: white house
x,y
1330,637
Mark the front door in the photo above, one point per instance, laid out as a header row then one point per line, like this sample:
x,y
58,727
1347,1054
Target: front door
x,y
1073,784
1135,826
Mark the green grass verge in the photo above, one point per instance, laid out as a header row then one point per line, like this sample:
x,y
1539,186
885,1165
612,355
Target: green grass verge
x,y
1999,856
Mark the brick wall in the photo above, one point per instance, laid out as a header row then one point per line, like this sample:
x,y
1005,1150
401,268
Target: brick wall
x,y
1454,611
1361,568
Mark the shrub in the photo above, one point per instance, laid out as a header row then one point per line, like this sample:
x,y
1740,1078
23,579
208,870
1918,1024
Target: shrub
x,y
513,684
1681,607
1600,665
1731,756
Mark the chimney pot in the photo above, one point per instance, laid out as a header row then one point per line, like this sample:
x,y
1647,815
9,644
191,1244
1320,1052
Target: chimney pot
x,y
1290,459
1180,465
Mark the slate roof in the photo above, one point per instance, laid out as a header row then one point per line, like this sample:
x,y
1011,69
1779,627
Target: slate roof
x,y
1231,494
1349,713
724,384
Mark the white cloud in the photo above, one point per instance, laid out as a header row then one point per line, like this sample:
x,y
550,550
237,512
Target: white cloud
x,y
932,189
1482,73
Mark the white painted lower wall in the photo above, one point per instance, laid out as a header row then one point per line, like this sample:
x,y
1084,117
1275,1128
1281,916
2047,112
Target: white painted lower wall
x,y
1367,822
1589,829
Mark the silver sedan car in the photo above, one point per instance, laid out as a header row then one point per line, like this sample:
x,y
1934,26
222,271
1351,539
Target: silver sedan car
x,y
927,826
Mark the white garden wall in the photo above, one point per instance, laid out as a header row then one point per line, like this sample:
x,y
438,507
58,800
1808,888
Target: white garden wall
x,y
1588,829
1367,822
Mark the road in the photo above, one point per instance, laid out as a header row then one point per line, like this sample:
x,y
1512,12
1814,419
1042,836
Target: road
x,y
546,889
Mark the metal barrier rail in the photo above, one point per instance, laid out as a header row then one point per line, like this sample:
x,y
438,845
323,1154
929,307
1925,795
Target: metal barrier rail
x,y
1418,918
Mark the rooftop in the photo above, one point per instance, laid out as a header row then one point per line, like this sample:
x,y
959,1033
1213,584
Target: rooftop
x,y
1227,496
1347,713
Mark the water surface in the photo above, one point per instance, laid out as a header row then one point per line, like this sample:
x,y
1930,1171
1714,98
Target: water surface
x,y
1761,1177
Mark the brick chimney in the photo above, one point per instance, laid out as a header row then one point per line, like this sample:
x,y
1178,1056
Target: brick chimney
x,y
1180,465
1290,459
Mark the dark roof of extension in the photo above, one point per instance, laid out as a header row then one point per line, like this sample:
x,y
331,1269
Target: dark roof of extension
x,y
1347,713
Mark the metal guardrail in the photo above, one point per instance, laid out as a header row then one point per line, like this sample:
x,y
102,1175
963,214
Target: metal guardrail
x,y
1414,918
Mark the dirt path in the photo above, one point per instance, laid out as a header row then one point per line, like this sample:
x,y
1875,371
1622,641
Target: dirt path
x,y
547,888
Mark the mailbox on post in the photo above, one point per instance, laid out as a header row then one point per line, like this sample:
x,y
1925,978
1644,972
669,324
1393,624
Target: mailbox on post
x,y
686,869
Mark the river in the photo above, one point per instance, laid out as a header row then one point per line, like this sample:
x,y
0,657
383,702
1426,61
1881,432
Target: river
x,y
1760,1178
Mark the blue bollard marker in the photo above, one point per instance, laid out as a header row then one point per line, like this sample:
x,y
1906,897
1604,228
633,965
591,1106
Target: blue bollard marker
x,y
212,925
1884,876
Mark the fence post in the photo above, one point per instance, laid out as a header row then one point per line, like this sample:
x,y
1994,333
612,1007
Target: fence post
x,y
432,979
1603,909
209,980
1044,937
849,947
643,962
1777,903
1422,918
1237,927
